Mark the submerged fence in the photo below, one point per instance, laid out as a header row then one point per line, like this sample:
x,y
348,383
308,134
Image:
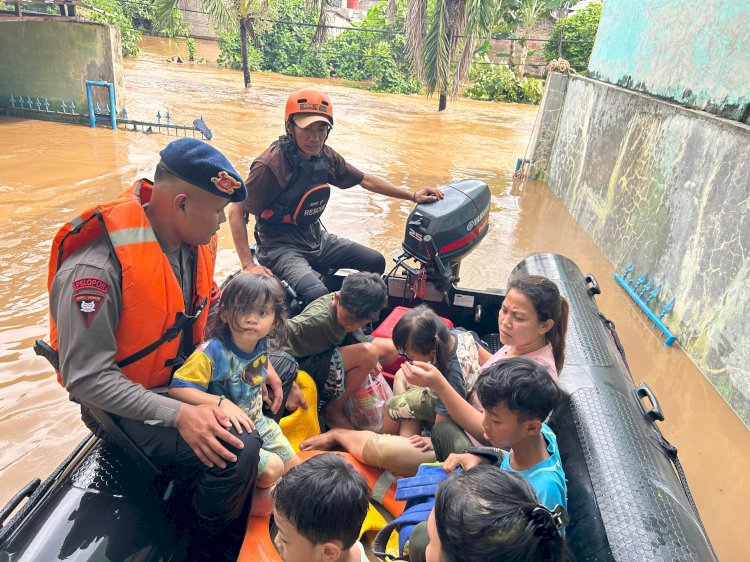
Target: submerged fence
x,y
29,107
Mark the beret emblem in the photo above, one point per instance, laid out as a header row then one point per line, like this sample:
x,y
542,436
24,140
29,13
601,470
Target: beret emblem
x,y
226,183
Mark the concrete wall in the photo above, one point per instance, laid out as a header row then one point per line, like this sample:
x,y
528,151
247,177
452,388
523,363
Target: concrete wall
x,y
668,188
694,52
53,59
199,22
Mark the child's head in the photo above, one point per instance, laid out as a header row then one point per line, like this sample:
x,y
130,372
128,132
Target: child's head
x,y
534,311
421,335
491,515
252,304
517,395
361,298
319,507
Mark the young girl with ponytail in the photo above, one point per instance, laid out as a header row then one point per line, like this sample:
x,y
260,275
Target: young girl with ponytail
x,y
491,515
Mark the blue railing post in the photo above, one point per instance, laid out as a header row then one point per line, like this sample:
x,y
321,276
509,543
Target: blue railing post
x,y
520,162
113,113
637,289
92,115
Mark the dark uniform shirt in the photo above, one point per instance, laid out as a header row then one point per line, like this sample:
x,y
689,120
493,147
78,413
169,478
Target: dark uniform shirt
x,y
270,173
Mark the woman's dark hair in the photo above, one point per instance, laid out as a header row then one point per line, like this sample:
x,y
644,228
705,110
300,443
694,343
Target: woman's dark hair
x,y
490,515
524,385
248,292
549,304
421,330
324,499
364,294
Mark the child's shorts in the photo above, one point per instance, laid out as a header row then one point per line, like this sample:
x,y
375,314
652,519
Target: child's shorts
x,y
274,442
417,403
327,370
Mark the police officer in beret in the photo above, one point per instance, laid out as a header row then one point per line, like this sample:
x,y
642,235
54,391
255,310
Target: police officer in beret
x,y
131,282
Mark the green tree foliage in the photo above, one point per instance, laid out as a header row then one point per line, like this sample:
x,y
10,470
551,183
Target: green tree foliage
x,y
375,57
372,57
580,30
528,13
116,16
285,48
499,83
231,54
281,47
442,39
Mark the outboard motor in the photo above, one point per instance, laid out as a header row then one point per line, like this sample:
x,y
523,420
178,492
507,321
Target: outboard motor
x,y
441,233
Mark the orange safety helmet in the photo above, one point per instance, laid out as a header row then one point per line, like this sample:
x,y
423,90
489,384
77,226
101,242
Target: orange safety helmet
x,y
310,102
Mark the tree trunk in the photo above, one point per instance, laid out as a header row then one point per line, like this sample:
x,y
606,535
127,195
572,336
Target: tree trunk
x,y
443,103
243,47
520,71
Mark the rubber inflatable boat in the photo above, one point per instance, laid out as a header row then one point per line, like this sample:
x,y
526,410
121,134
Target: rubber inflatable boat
x,y
627,501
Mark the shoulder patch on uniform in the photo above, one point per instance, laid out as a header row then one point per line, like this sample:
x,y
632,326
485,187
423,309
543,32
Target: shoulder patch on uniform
x,y
88,305
91,283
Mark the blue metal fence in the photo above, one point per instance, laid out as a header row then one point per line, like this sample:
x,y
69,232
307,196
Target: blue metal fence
x,y
643,291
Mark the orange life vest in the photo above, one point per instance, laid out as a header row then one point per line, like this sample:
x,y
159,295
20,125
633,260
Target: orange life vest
x,y
153,310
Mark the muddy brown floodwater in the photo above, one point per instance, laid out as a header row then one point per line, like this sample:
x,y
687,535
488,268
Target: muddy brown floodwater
x,y
49,172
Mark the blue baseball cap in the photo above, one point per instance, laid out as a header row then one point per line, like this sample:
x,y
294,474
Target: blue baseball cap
x,y
201,165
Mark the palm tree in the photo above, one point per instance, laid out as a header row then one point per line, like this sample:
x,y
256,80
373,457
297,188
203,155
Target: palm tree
x,y
529,13
321,7
224,17
442,54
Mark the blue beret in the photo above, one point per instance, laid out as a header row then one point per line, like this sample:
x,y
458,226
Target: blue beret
x,y
200,164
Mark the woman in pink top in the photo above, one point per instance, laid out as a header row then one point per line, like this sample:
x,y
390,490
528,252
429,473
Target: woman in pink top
x,y
532,322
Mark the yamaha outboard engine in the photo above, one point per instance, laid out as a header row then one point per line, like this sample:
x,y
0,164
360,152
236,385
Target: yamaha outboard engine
x,y
441,233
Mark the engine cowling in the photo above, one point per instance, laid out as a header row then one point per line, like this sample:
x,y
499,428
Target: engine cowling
x,y
454,225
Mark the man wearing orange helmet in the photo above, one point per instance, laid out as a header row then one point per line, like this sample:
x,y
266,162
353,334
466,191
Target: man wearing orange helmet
x,y
288,190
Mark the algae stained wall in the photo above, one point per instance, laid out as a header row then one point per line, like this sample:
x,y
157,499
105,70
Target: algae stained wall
x,y
53,59
694,52
667,188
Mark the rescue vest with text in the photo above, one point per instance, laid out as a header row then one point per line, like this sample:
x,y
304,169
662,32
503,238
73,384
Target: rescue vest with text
x,y
306,196
153,311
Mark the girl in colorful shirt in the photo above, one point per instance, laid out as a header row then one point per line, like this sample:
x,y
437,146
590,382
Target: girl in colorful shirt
x,y
232,367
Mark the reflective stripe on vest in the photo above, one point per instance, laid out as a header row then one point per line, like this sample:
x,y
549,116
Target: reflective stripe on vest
x,y
132,236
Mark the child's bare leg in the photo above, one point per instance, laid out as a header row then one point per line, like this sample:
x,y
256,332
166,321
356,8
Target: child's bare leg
x,y
387,353
390,426
351,440
410,427
291,463
399,383
262,501
262,498
359,360
271,473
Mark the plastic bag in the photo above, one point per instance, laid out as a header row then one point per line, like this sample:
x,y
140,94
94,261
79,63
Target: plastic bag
x,y
366,406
